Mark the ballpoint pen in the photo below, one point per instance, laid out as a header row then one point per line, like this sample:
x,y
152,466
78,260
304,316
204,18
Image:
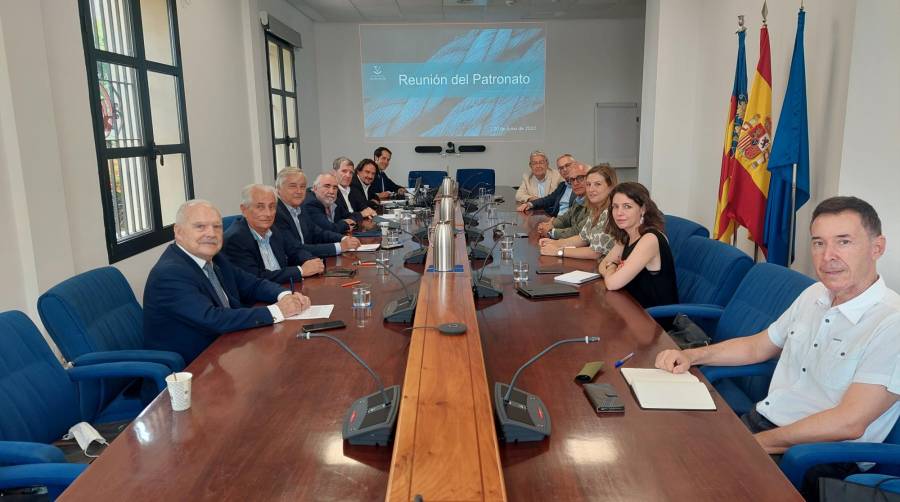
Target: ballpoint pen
x,y
624,360
292,285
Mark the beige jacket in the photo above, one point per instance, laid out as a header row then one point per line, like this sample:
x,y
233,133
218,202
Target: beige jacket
x,y
529,187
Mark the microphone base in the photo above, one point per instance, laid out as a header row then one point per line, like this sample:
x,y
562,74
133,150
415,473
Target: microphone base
x,y
421,235
470,221
468,206
401,310
369,422
479,252
473,234
415,257
486,288
523,419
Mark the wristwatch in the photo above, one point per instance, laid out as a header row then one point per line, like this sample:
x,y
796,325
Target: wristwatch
x,y
559,252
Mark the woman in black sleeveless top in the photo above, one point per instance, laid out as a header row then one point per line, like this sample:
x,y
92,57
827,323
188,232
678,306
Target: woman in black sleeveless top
x,y
641,261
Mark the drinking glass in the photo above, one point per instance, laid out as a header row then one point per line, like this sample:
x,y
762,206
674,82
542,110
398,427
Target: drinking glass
x,y
506,244
362,295
520,271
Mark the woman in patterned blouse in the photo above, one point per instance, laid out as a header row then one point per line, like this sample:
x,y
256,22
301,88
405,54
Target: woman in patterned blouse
x,y
592,242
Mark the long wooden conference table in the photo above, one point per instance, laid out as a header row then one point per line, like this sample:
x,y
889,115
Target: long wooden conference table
x,y
267,408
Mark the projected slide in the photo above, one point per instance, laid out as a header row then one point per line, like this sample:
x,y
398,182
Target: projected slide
x,y
472,81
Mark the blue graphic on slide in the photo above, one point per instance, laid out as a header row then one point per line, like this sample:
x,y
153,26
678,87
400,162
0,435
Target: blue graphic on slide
x,y
483,82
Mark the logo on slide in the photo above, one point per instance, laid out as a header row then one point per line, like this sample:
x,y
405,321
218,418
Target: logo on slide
x,y
377,72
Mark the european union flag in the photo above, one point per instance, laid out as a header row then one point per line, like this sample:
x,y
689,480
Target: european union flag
x,y
790,147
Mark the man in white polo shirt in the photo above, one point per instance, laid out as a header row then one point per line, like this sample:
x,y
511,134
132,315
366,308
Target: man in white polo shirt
x,y
839,345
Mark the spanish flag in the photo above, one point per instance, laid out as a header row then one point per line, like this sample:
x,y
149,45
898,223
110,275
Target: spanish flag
x,y
724,226
749,185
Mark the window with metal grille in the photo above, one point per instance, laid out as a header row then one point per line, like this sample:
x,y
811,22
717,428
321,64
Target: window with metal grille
x,y
283,101
135,87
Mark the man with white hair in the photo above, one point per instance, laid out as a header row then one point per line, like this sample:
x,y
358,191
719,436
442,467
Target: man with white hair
x,y
322,208
194,294
292,220
251,244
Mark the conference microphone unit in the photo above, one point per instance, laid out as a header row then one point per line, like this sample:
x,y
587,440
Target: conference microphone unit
x,y
479,252
429,149
522,416
485,288
401,309
416,256
370,420
471,220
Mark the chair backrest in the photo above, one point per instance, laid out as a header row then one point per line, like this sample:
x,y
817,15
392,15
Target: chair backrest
x,y
765,293
431,178
93,311
469,179
709,271
228,220
679,229
39,402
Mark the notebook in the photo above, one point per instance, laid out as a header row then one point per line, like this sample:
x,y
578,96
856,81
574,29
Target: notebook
x,y
657,389
538,291
576,277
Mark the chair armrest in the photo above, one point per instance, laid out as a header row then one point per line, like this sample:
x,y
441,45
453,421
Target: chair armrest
x,y
24,452
173,360
716,373
56,477
798,459
692,310
151,371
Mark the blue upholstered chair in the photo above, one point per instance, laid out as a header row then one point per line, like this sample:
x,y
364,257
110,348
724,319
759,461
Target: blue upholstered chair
x,y
708,273
765,293
94,318
40,402
884,482
431,178
228,220
679,229
470,179
798,459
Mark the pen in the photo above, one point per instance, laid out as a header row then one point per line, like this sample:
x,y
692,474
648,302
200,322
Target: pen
x,y
292,285
624,360
351,283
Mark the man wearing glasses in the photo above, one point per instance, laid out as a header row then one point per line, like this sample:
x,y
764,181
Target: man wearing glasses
x,y
569,224
559,201
539,181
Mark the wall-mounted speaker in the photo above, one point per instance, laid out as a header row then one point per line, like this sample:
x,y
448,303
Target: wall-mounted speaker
x,y
429,149
471,148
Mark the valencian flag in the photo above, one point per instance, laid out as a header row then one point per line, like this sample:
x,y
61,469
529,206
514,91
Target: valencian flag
x,y
724,226
750,177
790,146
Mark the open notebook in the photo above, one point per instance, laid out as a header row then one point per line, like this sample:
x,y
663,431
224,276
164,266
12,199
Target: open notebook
x,y
657,389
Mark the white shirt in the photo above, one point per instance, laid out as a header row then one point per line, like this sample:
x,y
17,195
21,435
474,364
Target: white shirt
x,y
345,193
826,348
277,316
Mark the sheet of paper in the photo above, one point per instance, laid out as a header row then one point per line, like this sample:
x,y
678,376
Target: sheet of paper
x,y
576,277
367,247
313,312
673,396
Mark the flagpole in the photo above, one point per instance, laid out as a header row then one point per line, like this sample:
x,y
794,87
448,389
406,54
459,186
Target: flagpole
x,y
790,256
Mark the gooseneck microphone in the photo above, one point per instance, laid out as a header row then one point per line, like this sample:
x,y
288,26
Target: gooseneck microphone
x,y
416,256
485,288
370,419
470,220
523,416
477,251
401,309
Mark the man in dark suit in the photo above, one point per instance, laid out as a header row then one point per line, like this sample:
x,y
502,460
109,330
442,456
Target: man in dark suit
x,y
362,193
559,201
252,245
321,206
384,185
293,221
344,173
194,294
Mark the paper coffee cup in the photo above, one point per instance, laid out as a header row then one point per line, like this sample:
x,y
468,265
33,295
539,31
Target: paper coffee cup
x,y
179,385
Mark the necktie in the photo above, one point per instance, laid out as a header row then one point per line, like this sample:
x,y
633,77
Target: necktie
x,y
296,216
211,274
329,214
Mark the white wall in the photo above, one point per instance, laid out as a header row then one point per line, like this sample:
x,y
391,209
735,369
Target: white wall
x,y
52,220
872,130
697,48
588,62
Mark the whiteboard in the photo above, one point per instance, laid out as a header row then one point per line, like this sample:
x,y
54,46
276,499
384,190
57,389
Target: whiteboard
x,y
617,132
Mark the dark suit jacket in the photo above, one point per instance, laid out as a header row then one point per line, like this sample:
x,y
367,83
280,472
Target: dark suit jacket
x,y
318,241
550,203
384,184
358,195
243,252
182,312
346,209
315,210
